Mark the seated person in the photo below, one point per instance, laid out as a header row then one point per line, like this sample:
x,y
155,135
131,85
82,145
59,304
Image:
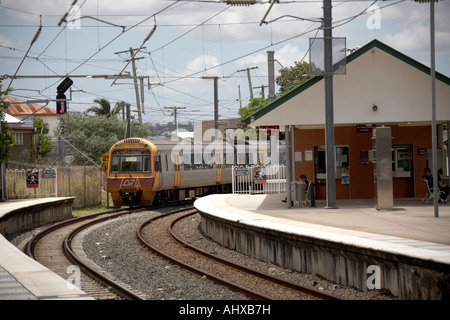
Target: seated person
x,y
443,187
303,178
427,176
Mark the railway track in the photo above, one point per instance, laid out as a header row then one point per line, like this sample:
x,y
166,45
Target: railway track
x,y
158,235
53,248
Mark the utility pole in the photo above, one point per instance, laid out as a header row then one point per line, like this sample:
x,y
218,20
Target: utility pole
x,y
329,116
271,67
216,105
249,79
262,90
128,131
136,87
240,100
142,93
135,77
175,116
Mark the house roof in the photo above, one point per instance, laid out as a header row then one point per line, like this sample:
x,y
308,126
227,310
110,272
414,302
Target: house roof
x,y
24,109
351,57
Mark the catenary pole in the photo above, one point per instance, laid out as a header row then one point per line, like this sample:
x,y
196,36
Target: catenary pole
x,y
329,115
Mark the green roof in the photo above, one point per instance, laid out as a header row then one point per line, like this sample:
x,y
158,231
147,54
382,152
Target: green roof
x,y
373,44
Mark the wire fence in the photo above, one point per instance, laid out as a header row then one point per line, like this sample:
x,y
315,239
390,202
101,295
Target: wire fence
x,y
25,180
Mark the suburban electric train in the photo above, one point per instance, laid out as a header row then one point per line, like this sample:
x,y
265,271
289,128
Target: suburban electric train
x,y
143,172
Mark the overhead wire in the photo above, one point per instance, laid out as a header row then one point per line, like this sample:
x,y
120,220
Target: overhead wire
x,y
116,37
222,63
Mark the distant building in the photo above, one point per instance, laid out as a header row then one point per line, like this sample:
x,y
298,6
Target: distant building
x,y
24,145
204,129
382,87
27,111
22,114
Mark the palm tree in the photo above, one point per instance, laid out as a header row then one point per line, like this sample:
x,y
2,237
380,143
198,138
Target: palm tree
x,y
104,108
119,106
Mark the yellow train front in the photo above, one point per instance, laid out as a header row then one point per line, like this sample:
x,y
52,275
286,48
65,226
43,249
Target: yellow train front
x,y
132,176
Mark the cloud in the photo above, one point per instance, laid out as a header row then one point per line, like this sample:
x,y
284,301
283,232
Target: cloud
x,y
414,33
7,42
289,54
203,62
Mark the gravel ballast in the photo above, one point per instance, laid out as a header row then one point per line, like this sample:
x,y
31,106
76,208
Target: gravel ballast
x,y
114,247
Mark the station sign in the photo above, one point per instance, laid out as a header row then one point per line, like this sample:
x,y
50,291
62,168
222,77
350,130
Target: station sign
x,y
32,179
49,174
241,171
268,130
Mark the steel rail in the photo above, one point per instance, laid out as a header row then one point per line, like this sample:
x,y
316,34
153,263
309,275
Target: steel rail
x,y
270,278
186,266
31,244
72,257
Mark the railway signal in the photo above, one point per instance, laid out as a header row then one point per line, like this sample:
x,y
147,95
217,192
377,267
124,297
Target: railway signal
x,y
61,106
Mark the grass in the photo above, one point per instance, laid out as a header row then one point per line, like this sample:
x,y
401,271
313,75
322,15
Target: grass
x,y
79,212
86,211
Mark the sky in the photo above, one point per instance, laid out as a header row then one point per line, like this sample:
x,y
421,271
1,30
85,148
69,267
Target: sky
x,y
192,40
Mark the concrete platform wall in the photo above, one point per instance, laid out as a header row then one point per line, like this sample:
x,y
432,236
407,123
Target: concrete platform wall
x,y
35,213
406,277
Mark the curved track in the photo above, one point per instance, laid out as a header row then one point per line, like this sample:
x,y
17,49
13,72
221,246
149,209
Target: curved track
x,y
242,279
53,248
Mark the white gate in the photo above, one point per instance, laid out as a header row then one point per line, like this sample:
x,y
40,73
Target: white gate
x,y
259,179
31,183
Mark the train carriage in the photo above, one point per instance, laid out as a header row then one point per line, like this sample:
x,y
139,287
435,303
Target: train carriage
x,y
142,172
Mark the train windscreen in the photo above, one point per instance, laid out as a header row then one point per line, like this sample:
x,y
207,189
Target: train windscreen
x,y
124,161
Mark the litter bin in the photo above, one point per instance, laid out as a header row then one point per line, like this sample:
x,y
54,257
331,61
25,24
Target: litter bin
x,y
301,191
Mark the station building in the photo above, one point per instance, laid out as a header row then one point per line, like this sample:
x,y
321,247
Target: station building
x,y
381,87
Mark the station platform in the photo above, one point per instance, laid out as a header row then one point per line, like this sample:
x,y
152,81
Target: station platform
x,y
339,242
411,224
21,277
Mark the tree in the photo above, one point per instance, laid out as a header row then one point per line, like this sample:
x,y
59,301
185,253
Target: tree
x,y
103,108
43,139
291,77
254,105
94,135
6,136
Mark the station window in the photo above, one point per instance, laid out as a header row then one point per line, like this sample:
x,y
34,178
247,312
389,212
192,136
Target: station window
x,y
401,160
341,158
